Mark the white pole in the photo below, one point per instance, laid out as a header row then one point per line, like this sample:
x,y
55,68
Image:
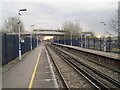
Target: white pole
x,y
31,40
37,42
31,36
71,38
104,44
19,40
19,33
104,37
85,42
81,41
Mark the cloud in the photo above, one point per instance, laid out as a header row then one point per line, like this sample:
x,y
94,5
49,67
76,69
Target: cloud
x,y
86,1
51,14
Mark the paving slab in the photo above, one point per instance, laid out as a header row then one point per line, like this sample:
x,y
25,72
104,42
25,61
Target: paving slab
x,y
102,53
43,77
19,75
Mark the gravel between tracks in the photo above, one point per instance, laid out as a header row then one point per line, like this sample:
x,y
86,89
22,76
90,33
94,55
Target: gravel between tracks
x,y
104,70
71,76
87,62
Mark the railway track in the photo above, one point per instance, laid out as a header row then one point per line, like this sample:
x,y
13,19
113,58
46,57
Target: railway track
x,y
91,60
89,76
97,84
73,78
107,70
65,85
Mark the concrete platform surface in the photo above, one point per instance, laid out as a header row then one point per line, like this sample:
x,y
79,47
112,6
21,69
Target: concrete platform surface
x,y
20,74
102,53
44,75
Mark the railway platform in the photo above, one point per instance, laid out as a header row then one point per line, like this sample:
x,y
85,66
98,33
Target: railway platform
x,y
33,71
113,59
106,54
37,70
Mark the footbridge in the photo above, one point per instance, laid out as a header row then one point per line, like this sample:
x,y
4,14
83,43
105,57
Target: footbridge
x,y
42,32
47,32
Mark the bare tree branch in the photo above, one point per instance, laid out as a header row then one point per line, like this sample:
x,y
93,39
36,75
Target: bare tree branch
x,y
113,25
11,25
72,28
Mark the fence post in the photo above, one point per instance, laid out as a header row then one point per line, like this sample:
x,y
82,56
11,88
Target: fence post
x,y
94,43
88,42
37,42
85,42
81,41
109,44
104,44
100,45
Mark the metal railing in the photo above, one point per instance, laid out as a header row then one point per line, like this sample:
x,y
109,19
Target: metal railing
x,y
107,44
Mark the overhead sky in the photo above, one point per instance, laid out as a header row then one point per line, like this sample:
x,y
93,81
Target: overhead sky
x,y
50,14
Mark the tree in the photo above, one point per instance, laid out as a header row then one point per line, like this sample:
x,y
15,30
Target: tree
x,y
11,25
113,25
71,28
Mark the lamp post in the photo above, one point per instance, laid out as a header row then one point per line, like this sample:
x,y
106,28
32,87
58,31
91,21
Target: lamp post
x,y
81,41
31,36
104,37
85,41
19,32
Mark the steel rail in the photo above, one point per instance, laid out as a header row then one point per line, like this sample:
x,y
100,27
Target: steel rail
x,y
96,83
66,86
111,80
118,71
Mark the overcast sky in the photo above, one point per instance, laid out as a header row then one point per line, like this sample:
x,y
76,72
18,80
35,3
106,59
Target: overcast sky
x,y
50,14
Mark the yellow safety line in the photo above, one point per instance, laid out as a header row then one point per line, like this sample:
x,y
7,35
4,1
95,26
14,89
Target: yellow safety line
x,y
34,72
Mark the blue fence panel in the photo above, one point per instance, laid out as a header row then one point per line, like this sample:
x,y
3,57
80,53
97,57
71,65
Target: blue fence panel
x,y
93,43
61,41
64,41
25,46
75,42
56,41
68,41
34,42
16,46
10,47
4,61
10,50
